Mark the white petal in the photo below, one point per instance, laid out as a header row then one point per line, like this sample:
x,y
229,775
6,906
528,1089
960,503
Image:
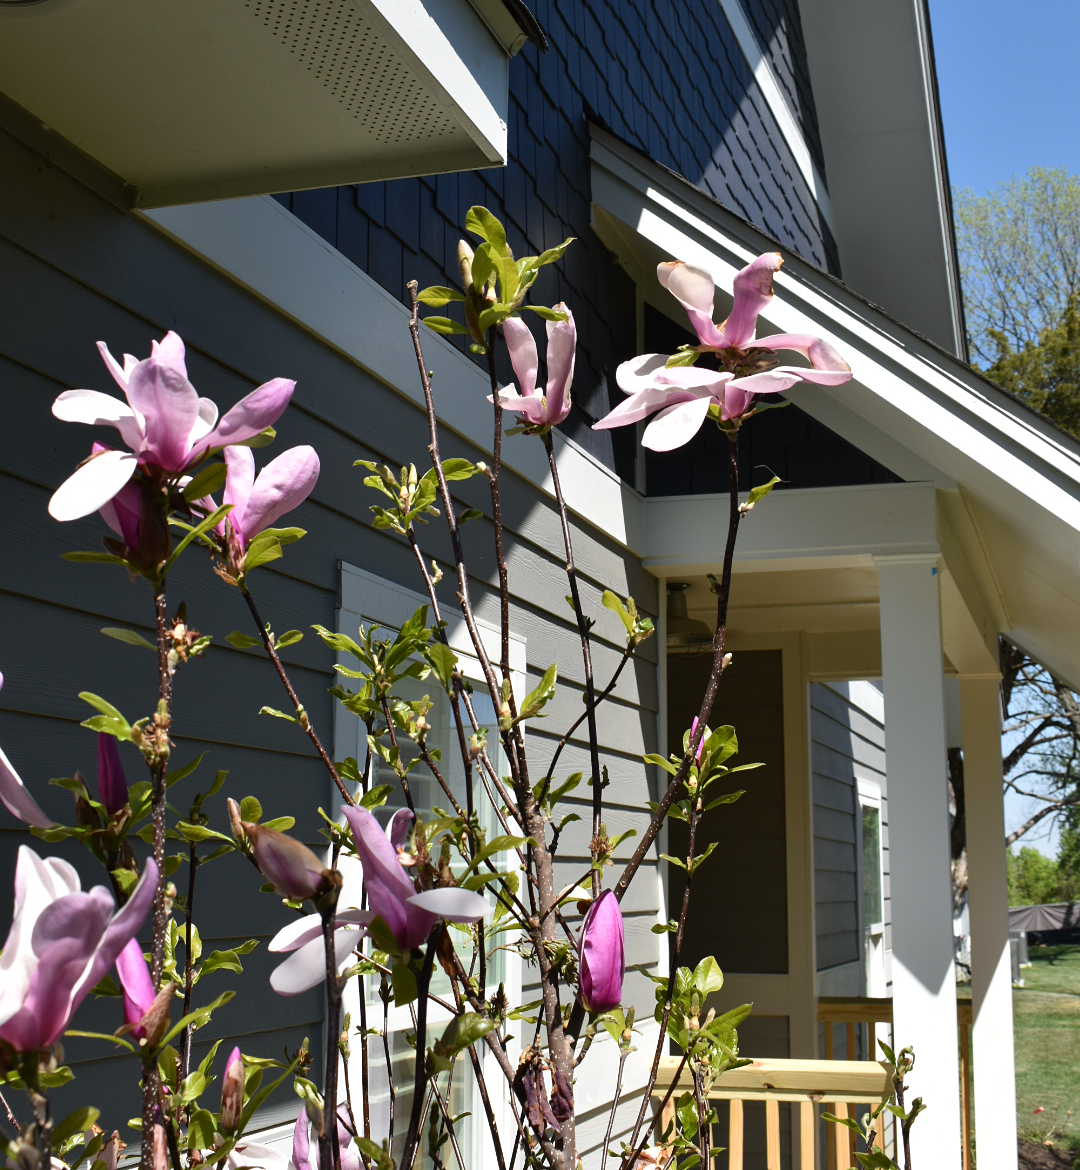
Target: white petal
x,y
639,373
207,420
92,485
451,903
306,968
96,409
677,425
296,934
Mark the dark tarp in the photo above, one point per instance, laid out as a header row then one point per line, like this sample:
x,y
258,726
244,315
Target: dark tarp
x,y
1052,916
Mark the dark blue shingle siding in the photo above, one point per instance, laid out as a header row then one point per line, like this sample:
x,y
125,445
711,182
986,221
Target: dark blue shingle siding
x,y
668,77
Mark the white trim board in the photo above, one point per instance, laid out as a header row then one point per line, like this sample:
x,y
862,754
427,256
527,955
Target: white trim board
x,y
788,125
263,246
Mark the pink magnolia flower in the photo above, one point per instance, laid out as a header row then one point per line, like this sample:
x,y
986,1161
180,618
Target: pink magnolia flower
x,y
133,975
391,896
15,796
684,395
165,424
61,943
283,484
601,959
305,1148
544,406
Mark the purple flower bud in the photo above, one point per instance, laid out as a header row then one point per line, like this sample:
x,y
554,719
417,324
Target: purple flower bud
x,y
232,1092
111,782
601,961
290,867
133,976
305,1151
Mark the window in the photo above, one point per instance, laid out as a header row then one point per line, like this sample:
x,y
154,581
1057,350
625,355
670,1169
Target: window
x,y
872,886
367,599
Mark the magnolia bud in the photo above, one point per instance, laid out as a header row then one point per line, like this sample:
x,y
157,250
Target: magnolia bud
x,y
160,1160
232,1092
465,258
155,1021
112,784
236,823
290,866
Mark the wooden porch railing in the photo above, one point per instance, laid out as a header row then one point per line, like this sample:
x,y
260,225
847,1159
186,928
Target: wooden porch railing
x,y
804,1083
834,1010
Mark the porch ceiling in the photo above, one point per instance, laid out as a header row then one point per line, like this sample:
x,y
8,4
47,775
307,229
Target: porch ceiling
x,y
196,101
1007,518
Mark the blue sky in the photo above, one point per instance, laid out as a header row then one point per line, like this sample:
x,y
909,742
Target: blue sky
x,y
1010,86
1010,100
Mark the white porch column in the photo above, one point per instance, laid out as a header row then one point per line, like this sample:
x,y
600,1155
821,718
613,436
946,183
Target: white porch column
x,y
924,984
988,901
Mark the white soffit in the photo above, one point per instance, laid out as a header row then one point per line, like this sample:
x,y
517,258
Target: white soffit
x,y
210,99
909,404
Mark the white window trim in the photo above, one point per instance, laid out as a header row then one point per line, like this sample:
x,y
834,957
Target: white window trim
x,y
366,599
869,796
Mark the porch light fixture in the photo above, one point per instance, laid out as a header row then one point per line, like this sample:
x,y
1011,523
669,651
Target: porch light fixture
x,y
685,635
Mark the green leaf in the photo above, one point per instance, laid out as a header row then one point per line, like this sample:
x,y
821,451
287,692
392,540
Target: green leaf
x,y
727,798
201,1130
443,662
110,720
103,1036
196,833
482,223
131,637
206,482
537,698
289,638
758,493
78,1122
198,1018
613,602
438,295
279,824
277,714
250,809
187,769
455,469
550,255
444,325
470,514
500,844
242,641
262,550
263,439
462,1032
257,1099
661,762
204,526
545,313
686,355
93,558
403,982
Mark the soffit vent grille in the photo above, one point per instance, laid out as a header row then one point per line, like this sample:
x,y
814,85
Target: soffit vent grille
x,y
341,48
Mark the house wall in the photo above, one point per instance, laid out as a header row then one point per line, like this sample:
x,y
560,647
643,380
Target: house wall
x,y
670,79
76,269
847,745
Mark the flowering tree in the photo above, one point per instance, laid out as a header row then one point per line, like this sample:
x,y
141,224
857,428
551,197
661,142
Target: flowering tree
x,y
386,899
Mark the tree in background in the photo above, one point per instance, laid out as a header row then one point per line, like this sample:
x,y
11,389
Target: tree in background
x,y
1019,251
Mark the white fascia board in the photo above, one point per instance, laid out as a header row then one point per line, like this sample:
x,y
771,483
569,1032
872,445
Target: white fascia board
x,y
785,119
460,62
944,411
266,248
798,528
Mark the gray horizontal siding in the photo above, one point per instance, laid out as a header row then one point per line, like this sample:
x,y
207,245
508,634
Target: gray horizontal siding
x,y
847,743
76,270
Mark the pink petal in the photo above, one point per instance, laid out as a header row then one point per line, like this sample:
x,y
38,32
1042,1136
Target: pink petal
x,y
239,480
283,484
400,827
100,410
769,381
693,289
692,377
531,407
169,405
753,291
125,924
818,352
562,345
388,888
133,976
521,347
250,416
92,485
17,799
736,402
120,373
169,352
455,905
677,425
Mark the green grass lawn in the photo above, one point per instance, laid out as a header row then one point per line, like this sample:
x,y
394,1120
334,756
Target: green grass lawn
x,y
1047,1030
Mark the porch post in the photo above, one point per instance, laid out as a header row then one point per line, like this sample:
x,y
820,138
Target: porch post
x,y
988,901
924,984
